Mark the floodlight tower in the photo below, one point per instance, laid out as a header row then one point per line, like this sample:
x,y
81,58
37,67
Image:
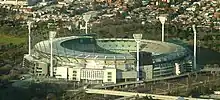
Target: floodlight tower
x,y
137,38
86,19
29,23
162,21
194,49
52,34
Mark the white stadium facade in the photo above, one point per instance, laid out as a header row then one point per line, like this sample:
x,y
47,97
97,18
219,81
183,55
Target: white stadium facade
x,y
91,60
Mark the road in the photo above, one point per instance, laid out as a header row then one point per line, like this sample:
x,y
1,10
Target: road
x,y
128,94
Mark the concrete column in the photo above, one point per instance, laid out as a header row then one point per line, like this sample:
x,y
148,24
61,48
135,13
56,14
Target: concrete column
x,y
138,67
145,85
168,86
151,88
125,80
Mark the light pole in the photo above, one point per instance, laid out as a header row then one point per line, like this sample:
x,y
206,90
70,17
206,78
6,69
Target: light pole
x,y
162,21
194,45
29,23
137,38
52,34
86,19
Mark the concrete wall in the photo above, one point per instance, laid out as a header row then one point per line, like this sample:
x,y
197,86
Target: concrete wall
x,y
41,69
74,74
109,78
148,72
127,74
91,74
61,72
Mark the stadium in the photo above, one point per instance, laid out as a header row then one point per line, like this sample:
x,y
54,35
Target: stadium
x,y
110,60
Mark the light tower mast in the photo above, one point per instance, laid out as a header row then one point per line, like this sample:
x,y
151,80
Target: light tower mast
x,y
86,19
137,38
194,49
29,23
162,20
52,34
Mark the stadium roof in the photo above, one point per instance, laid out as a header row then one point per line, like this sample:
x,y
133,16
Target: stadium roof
x,y
118,49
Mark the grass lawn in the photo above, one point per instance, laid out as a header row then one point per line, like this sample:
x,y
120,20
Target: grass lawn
x,y
6,39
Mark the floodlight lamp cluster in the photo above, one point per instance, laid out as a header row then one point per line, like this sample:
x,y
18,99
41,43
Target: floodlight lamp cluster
x,y
86,17
162,19
29,23
52,34
137,37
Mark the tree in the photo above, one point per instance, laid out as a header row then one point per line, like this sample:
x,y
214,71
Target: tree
x,y
35,98
51,96
137,3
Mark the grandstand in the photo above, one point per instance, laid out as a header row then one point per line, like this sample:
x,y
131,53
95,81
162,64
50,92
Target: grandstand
x,y
91,60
